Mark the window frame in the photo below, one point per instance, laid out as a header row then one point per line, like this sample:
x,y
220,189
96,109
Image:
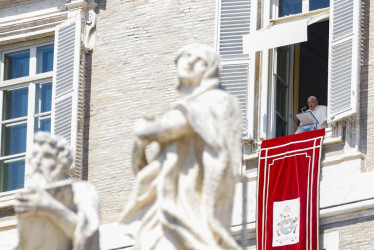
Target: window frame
x,y
269,68
30,82
291,91
334,118
275,9
290,85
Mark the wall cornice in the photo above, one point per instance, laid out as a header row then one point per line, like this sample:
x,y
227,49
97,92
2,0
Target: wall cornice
x,y
23,27
37,24
81,4
7,2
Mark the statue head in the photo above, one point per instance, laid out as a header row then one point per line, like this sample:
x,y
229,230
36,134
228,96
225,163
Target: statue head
x,y
196,63
51,157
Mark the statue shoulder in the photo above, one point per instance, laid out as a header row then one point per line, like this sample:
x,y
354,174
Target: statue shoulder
x,y
220,95
85,192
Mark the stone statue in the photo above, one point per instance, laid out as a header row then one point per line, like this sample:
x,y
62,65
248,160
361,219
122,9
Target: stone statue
x,y
186,163
54,212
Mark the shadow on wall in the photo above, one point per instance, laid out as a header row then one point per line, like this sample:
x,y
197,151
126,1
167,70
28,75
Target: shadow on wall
x,y
87,118
364,81
101,5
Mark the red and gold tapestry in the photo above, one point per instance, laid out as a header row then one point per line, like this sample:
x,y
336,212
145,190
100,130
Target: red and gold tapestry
x,y
288,192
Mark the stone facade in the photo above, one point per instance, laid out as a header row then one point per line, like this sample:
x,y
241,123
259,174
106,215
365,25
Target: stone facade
x,y
145,34
133,35
350,233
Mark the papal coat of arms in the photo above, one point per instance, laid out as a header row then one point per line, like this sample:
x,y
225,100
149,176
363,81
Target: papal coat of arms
x,y
286,222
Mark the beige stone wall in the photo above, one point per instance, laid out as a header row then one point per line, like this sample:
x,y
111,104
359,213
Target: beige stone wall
x,y
133,75
357,233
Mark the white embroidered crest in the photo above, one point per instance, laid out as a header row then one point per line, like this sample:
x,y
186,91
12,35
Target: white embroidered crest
x,y
286,222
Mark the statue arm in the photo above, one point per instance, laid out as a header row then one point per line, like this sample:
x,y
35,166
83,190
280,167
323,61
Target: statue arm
x,y
169,126
139,159
31,203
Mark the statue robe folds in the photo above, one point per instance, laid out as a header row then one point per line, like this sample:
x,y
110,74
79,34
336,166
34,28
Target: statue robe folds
x,y
183,198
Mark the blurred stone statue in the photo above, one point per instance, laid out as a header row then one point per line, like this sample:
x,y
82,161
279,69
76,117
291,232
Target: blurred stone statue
x,y
186,163
54,212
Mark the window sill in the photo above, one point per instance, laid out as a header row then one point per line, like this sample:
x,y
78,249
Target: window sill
x,y
9,224
328,140
348,156
7,199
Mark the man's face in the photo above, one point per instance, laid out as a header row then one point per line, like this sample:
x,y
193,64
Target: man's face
x,y
312,103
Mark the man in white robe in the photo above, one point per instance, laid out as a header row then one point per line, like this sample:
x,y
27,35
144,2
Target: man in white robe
x,y
319,112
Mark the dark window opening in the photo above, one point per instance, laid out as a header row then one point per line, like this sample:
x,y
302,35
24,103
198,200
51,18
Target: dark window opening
x,y
313,72
301,71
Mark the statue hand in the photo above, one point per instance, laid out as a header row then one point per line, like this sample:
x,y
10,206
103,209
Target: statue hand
x,y
138,155
141,126
31,202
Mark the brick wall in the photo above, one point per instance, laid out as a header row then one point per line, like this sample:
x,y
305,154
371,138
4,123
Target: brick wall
x,y
354,234
133,75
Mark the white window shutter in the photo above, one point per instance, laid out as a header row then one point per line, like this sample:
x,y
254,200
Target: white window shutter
x,y
344,61
66,80
234,79
234,22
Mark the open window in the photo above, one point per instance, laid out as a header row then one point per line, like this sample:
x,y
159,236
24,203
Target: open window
x,y
284,8
307,48
299,71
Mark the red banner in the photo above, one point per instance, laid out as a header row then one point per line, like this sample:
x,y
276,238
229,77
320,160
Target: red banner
x,y
288,191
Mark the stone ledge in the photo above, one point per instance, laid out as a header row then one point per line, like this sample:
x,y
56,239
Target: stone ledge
x,y
328,161
326,215
81,4
7,199
41,15
9,224
328,140
112,238
6,2
25,26
347,156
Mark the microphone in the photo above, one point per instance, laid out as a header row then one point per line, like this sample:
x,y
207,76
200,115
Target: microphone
x,y
303,108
